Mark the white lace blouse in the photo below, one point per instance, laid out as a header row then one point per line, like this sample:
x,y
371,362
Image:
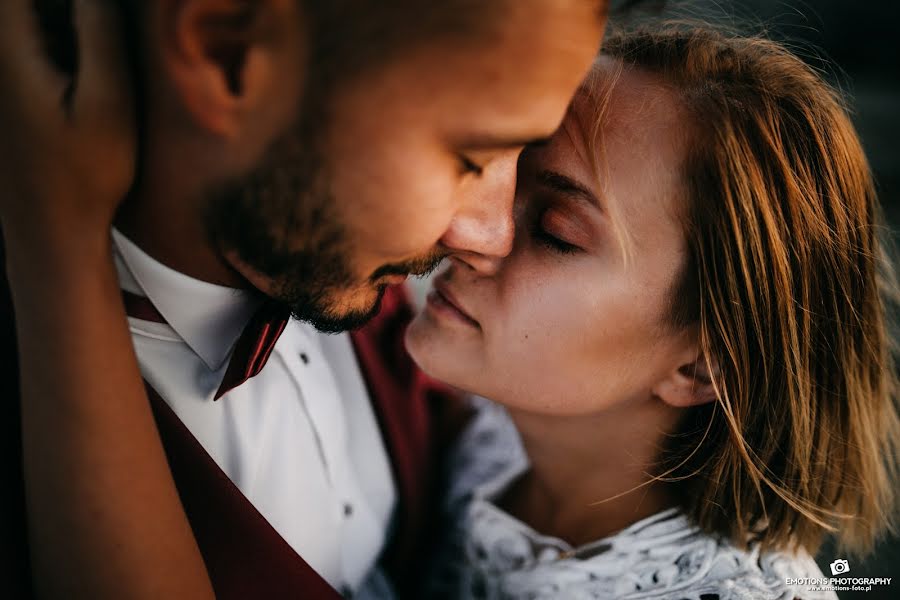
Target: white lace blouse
x,y
489,554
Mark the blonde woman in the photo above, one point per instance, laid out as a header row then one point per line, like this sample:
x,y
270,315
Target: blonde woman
x,y
688,338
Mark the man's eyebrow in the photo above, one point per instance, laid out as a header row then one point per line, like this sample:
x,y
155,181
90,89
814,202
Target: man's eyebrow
x,y
488,142
567,186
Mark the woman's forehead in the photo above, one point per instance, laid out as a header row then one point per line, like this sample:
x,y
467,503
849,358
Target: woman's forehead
x,y
624,140
628,123
620,100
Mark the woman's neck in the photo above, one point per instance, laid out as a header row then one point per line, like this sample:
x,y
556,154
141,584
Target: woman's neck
x,y
591,476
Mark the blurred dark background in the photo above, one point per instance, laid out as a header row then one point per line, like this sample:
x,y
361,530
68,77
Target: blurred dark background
x,y
857,46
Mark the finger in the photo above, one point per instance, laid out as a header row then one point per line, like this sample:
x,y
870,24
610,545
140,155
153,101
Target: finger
x,y
29,81
104,88
103,109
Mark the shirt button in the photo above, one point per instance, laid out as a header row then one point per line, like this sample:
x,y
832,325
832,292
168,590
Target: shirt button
x,y
304,358
348,509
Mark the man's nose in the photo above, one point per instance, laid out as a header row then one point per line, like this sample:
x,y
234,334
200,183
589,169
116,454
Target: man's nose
x,y
482,231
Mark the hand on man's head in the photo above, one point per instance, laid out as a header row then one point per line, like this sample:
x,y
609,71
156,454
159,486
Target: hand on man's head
x,y
68,146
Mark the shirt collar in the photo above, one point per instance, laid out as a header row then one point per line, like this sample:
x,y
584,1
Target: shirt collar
x,y
208,317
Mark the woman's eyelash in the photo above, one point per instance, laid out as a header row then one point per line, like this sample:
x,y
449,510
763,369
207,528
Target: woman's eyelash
x,y
553,242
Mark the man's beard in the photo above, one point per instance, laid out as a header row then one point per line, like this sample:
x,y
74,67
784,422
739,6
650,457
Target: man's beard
x,y
282,222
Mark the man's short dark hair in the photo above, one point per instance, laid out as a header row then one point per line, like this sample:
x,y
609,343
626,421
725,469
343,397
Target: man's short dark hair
x,y
348,36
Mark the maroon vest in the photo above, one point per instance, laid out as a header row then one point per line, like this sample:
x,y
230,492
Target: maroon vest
x,y
244,555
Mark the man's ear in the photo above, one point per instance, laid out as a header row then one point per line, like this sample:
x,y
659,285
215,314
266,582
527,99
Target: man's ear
x,y
234,64
691,384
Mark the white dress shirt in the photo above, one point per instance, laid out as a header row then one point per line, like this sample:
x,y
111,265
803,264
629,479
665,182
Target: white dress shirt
x,y
300,440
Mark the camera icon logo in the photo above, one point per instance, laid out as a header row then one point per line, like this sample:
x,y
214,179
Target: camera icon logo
x,y
840,566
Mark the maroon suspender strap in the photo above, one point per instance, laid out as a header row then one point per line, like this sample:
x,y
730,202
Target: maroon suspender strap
x,y
244,555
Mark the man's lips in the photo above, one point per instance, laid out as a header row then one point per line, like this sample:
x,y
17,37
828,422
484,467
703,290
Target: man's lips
x,y
446,296
417,267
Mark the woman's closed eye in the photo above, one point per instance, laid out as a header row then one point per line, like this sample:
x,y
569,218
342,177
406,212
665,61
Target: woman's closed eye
x,y
548,240
558,230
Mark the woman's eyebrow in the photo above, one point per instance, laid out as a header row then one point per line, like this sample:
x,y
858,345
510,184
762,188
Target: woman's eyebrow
x,y
566,185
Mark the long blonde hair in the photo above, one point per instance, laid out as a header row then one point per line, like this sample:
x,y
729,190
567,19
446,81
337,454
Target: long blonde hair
x,y
786,281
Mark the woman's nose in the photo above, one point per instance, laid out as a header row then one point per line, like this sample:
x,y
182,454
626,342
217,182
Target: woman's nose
x,y
482,231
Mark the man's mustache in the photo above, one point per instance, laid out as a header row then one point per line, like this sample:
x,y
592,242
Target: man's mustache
x,y
417,266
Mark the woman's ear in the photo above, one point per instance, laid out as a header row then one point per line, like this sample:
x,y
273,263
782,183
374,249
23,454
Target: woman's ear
x,y
691,384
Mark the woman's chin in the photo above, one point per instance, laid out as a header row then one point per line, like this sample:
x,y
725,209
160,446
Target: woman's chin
x,y
420,343
435,355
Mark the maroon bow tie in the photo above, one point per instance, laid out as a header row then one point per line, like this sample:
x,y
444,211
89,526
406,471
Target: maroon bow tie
x,y
252,349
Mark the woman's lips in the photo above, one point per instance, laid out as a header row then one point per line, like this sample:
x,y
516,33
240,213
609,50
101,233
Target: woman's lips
x,y
442,300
